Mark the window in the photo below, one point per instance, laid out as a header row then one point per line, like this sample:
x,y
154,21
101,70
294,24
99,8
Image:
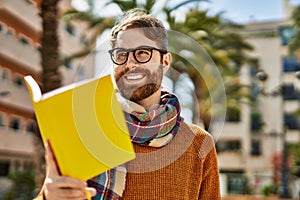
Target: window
x,y
290,64
2,120
32,127
70,29
15,124
286,33
255,147
4,168
256,122
237,184
233,145
291,121
289,92
24,41
233,115
19,81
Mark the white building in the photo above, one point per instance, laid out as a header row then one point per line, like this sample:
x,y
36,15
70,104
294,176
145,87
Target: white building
x,y
245,151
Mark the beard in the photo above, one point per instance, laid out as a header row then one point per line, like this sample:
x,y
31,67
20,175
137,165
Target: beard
x,y
138,92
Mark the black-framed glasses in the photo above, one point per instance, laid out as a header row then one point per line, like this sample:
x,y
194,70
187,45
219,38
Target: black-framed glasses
x,y
142,54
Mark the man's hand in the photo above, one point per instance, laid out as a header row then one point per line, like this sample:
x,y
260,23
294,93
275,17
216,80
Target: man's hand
x,y
62,187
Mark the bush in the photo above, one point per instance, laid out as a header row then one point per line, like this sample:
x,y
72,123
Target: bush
x,y
23,186
267,190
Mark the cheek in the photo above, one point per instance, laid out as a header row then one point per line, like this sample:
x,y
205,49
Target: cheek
x,y
119,72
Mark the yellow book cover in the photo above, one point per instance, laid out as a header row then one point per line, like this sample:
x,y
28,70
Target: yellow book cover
x,y
85,125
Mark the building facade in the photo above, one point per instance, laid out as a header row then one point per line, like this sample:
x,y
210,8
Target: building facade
x,y
249,147
20,32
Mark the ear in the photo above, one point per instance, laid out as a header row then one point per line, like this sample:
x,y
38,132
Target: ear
x,y
167,58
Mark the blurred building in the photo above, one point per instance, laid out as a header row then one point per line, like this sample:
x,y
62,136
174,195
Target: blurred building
x,y
20,31
249,145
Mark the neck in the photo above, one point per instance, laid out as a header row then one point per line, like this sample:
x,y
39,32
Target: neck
x,y
151,102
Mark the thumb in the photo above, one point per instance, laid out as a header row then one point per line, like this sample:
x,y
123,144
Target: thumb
x,y
52,167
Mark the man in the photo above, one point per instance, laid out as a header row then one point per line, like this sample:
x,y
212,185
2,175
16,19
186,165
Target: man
x,y
175,160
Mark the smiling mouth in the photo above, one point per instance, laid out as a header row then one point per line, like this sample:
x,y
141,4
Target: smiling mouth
x,y
133,77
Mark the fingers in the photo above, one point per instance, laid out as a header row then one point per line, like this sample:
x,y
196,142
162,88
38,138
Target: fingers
x,y
62,187
65,182
68,193
57,186
52,168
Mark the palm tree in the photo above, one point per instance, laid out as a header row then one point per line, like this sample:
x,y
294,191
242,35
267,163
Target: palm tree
x,y
51,78
227,49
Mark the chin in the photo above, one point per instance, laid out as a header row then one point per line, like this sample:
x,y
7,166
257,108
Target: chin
x,y
141,93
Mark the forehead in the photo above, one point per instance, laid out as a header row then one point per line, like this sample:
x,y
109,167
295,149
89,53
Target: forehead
x,y
133,38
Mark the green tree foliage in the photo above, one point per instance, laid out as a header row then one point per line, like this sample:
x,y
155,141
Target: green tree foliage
x,y
294,44
23,186
226,47
294,150
294,49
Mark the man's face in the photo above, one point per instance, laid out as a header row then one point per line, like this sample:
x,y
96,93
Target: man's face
x,y
137,81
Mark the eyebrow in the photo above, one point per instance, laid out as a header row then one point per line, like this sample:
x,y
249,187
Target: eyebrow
x,y
141,46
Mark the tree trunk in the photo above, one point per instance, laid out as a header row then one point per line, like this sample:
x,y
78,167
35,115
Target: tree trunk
x,y
51,78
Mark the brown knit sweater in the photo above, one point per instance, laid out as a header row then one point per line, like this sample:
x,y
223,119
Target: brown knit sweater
x,y
186,168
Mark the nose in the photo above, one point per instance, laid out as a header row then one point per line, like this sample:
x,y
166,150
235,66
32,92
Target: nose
x,y
131,62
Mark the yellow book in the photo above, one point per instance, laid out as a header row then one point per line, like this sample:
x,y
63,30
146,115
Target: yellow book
x,y
85,125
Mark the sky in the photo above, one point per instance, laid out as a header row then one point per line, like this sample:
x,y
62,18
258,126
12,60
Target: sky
x,y
243,11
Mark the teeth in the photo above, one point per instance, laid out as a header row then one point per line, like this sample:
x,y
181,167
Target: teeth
x,y
134,77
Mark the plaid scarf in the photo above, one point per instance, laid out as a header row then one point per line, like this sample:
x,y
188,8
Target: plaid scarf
x,y
154,128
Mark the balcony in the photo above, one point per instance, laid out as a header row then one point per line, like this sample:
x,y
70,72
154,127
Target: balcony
x,y
231,160
18,96
234,130
14,142
15,10
15,51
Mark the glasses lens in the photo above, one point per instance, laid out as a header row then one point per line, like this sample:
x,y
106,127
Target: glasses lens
x,y
143,55
120,56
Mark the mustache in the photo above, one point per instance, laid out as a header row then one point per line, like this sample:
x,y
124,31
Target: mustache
x,y
136,70
127,71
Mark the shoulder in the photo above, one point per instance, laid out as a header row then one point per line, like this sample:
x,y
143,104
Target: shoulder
x,y
203,140
198,131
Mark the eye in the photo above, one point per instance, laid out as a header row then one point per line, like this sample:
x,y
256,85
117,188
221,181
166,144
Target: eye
x,y
120,54
143,52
